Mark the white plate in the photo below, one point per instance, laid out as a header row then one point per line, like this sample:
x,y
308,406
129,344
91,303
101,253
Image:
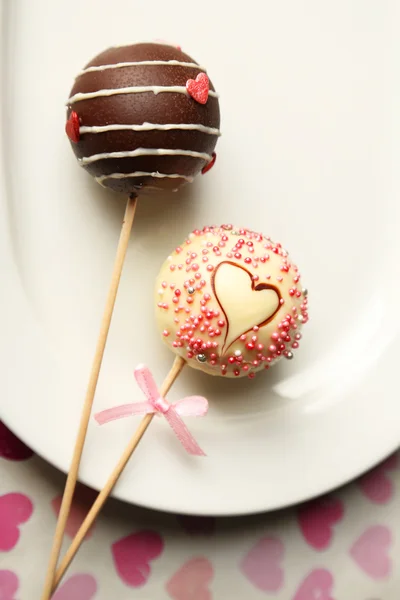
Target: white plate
x,y
309,154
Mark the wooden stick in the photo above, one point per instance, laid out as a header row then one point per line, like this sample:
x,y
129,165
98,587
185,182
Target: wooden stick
x,y
91,389
93,513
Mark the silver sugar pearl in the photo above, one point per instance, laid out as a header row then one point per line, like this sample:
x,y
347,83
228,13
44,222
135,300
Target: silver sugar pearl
x,y
300,318
191,290
289,355
201,358
238,353
305,291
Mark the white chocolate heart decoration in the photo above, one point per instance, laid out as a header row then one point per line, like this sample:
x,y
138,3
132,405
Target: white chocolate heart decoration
x,y
244,303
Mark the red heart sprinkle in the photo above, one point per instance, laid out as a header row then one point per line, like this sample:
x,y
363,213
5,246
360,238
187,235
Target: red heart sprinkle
x,y
72,127
209,165
198,88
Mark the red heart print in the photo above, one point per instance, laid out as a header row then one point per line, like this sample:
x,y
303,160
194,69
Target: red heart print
x,y
9,585
316,519
15,509
11,448
197,525
77,587
72,127
370,552
209,165
191,581
316,586
262,564
198,88
376,485
132,556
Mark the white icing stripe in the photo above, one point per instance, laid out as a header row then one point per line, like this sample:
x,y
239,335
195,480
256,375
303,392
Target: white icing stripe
x,y
150,127
156,89
156,175
121,65
144,152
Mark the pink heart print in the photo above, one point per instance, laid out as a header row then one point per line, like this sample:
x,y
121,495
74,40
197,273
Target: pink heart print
x,y
316,520
262,564
77,587
11,448
83,499
197,525
8,585
132,556
370,552
15,509
376,485
316,586
191,581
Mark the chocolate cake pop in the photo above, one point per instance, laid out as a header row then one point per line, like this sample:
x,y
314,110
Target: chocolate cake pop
x,y
143,117
230,302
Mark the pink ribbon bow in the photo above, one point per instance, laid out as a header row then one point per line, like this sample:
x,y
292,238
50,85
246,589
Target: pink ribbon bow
x,y
191,406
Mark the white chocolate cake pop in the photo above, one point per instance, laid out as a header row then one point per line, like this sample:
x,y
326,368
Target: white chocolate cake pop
x,y
230,301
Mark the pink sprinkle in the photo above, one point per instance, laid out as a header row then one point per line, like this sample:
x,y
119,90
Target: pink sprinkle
x,y
210,268
165,333
172,267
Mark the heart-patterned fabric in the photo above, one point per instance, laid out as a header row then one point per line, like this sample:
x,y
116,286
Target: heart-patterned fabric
x,y
340,547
